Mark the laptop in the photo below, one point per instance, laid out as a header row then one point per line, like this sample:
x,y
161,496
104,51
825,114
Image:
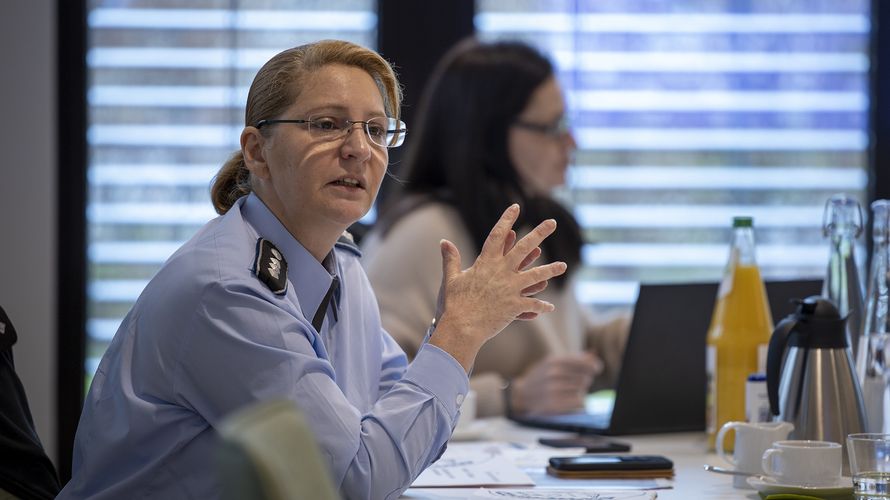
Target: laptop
x,y
662,382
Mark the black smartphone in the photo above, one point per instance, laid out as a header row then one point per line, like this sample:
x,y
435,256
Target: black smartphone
x,y
611,467
611,463
592,443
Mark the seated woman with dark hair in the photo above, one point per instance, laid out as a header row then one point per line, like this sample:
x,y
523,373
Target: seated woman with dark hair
x,y
492,131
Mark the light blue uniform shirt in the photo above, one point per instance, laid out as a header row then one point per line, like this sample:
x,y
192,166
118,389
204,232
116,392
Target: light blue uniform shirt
x,y
207,337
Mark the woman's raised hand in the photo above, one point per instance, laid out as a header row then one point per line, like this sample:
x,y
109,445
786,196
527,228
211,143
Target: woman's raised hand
x,y
477,303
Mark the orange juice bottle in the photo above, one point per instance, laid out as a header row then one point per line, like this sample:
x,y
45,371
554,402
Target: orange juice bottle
x,y
741,326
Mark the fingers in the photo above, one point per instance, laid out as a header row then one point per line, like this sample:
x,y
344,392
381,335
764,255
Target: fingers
x,y
531,257
597,362
532,240
532,305
494,243
576,383
585,364
534,289
542,273
575,371
567,392
508,242
450,259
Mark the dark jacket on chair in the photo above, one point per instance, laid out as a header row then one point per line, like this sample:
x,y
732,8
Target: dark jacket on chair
x,y
25,470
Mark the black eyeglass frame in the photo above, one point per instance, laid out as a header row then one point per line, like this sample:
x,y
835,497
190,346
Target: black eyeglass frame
x,y
401,131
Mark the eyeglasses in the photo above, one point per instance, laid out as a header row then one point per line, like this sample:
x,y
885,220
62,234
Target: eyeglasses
x,y
382,131
558,129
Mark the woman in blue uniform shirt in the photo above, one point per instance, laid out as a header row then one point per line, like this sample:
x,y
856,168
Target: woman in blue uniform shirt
x,y
264,302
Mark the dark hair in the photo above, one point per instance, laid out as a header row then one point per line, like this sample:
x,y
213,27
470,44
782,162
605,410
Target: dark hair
x,y
459,153
278,84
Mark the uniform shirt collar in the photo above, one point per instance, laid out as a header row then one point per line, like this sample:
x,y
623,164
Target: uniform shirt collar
x,y
309,278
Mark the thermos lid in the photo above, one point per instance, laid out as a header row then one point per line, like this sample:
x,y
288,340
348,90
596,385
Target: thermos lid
x,y
819,325
818,307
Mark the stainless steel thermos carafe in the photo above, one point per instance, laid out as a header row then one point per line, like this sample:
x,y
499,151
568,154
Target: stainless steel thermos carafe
x,y
809,375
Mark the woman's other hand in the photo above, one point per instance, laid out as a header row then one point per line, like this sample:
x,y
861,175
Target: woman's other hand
x,y
478,302
556,384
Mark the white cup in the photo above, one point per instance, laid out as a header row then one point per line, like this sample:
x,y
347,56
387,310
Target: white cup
x,y
804,463
467,411
751,440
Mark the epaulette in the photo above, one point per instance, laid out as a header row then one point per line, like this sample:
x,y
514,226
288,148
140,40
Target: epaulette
x,y
346,242
270,267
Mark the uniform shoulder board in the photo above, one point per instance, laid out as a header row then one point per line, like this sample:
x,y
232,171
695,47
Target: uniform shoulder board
x,y
347,243
7,332
270,267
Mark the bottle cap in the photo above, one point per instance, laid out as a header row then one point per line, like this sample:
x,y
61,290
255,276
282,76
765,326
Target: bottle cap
x,y
742,221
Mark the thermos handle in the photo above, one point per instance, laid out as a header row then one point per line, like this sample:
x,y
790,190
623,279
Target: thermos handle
x,y
774,355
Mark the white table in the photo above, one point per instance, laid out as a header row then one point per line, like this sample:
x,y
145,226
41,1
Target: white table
x,y
686,450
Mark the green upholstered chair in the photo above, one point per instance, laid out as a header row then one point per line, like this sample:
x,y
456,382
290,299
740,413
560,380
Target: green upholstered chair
x,y
268,452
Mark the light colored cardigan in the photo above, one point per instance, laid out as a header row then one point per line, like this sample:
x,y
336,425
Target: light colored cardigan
x,y
405,269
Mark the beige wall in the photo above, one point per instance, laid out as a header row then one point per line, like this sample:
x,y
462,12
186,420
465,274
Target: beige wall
x,y
28,200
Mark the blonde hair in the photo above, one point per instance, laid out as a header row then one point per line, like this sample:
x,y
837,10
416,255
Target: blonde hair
x,y
278,84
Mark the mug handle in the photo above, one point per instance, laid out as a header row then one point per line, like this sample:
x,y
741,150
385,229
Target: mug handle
x,y
719,445
766,462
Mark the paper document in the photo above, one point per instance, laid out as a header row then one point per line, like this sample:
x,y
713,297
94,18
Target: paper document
x,y
472,466
565,494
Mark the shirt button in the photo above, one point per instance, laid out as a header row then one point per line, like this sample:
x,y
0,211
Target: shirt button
x,y
459,399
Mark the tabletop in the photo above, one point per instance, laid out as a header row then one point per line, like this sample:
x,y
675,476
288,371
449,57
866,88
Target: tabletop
x,y
688,451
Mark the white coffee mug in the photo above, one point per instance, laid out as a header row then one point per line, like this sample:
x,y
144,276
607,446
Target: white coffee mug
x,y
804,463
751,440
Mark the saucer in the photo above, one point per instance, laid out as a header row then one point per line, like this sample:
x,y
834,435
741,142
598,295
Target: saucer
x,y
766,485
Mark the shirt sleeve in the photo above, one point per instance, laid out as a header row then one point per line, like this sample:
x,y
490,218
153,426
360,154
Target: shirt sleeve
x,y
251,349
392,364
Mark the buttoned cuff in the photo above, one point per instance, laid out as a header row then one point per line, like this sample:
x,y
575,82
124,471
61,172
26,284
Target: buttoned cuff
x,y
441,375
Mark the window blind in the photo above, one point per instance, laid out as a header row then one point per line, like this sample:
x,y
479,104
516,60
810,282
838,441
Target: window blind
x,y
690,112
167,86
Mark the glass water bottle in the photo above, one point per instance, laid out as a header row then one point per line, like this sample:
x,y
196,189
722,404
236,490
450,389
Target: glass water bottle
x,y
842,224
871,362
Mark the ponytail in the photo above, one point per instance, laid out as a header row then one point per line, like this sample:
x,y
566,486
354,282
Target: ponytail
x,y
232,182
